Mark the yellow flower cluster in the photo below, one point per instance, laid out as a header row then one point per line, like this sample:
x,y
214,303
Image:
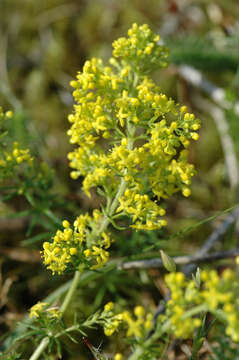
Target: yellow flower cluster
x,y
141,49
36,309
139,326
142,209
127,131
15,157
111,321
41,308
11,155
80,245
222,296
184,296
131,145
218,295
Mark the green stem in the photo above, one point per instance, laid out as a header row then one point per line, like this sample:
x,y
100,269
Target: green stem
x,y
104,224
114,204
70,329
121,190
44,343
70,292
197,309
42,346
139,350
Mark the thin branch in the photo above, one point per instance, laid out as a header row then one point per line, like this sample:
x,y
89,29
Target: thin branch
x,y
181,260
201,254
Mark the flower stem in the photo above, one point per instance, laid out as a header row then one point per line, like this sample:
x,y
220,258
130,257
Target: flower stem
x,y
139,350
70,292
195,310
45,341
114,204
42,346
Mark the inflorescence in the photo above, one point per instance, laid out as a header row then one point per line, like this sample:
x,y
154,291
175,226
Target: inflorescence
x,y
214,294
131,145
13,156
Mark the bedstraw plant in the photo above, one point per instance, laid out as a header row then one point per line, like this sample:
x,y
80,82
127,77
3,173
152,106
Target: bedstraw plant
x,y
131,147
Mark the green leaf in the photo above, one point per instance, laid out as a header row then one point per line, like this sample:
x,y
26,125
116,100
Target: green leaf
x,y
19,214
168,262
37,238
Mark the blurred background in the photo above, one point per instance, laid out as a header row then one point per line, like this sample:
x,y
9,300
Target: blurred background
x,y
42,46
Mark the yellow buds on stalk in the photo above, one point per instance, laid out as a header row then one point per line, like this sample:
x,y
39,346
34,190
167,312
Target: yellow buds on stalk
x,y
139,326
111,321
109,306
37,309
41,309
141,49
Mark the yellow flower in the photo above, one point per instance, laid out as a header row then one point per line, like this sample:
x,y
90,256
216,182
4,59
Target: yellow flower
x,y
118,356
109,306
36,309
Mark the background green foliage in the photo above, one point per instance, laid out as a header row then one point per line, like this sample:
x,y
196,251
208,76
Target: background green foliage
x,y
42,46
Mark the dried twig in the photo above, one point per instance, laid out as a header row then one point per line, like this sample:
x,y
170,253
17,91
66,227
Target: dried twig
x,y
200,256
181,260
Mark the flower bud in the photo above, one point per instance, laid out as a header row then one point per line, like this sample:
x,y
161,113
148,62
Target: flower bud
x,y
168,262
